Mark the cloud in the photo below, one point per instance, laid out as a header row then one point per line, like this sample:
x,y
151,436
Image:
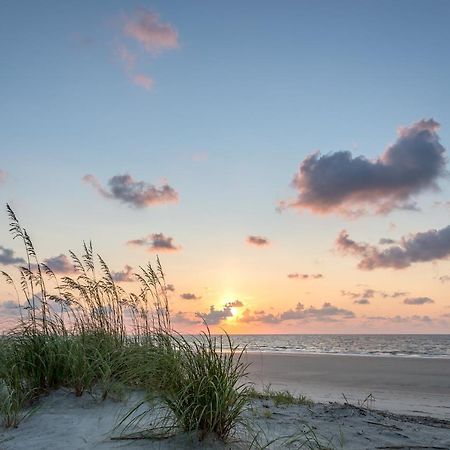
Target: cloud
x,y
386,241
401,319
340,183
215,316
3,176
183,318
143,80
129,59
363,297
362,301
156,242
326,313
305,276
258,241
395,294
138,194
124,275
146,33
170,288
7,257
189,296
235,304
126,56
8,306
417,300
367,293
444,278
419,247
146,28
60,264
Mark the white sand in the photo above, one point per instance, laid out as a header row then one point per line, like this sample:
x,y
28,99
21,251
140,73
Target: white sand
x,y
64,421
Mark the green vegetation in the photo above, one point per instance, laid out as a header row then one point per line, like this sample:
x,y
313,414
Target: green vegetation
x,y
87,334
280,398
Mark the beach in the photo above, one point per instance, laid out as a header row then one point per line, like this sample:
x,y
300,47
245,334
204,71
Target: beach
x,y
411,394
418,386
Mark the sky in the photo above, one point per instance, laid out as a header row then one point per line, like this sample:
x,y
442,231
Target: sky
x,y
286,161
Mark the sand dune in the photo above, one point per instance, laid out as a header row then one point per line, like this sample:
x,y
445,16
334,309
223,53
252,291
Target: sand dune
x,y
417,386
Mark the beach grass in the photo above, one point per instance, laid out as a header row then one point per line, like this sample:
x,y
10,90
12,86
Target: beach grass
x,y
87,334
280,397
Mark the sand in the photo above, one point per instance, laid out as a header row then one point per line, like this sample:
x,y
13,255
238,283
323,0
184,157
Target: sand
x,y
63,421
416,386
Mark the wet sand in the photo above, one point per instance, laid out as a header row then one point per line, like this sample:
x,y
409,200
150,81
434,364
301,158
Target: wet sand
x,y
418,386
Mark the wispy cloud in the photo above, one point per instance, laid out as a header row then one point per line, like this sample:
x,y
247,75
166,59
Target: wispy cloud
x,y
145,30
189,296
417,300
138,194
127,57
7,257
3,176
304,276
401,319
340,183
156,242
258,241
419,247
143,81
370,293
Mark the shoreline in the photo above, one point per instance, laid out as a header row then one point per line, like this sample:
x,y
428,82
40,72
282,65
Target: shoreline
x,y
400,356
411,386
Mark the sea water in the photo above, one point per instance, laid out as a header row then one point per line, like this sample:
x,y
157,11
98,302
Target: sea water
x,y
395,345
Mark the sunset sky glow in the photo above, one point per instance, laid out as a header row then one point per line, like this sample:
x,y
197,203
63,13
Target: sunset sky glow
x,y
288,162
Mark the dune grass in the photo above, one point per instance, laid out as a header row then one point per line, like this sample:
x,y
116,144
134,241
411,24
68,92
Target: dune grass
x,y
280,397
199,381
86,333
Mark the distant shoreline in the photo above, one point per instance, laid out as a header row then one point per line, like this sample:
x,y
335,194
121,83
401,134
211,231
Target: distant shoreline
x,y
298,352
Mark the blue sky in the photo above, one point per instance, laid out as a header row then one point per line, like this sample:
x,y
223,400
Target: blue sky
x,y
247,93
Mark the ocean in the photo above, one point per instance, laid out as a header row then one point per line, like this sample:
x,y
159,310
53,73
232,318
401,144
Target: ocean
x,y
395,345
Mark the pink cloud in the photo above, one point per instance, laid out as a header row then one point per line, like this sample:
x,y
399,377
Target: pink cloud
x,y
143,81
128,58
146,28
